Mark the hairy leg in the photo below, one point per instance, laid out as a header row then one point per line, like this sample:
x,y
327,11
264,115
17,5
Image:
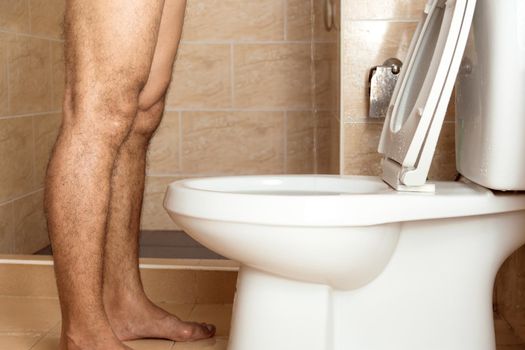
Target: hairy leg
x,y
109,52
131,314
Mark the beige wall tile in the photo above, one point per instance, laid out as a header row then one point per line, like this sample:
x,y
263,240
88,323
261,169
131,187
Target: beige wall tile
x,y
320,31
201,77
154,216
386,9
300,142
360,149
14,15
19,342
3,75
272,76
7,241
46,131
369,43
234,20
176,286
327,143
29,75
299,19
28,281
16,153
58,74
215,287
47,17
232,142
326,65
25,315
163,154
443,166
30,224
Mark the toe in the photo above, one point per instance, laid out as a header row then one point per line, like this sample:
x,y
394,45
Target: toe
x,y
198,331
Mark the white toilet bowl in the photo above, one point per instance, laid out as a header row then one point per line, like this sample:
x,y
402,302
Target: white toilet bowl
x,y
333,262
390,263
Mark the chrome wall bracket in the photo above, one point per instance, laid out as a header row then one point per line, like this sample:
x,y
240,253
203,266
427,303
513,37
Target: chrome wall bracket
x,y
382,82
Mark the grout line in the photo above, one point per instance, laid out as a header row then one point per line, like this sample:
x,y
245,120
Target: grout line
x,y
12,200
285,142
44,335
179,152
232,75
28,35
254,109
27,115
285,19
244,42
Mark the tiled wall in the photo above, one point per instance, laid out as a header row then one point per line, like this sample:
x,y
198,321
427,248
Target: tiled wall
x,y
31,75
372,32
254,91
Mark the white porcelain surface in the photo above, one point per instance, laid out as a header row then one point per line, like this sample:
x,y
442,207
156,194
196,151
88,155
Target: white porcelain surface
x,y
490,98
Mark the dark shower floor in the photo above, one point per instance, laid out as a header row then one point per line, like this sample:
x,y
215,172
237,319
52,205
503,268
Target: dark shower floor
x,y
166,245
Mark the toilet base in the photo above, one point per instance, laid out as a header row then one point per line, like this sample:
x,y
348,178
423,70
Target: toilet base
x,y
435,294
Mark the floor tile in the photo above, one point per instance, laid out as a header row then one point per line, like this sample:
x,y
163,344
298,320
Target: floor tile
x,y
28,315
219,315
150,344
18,342
217,343
182,311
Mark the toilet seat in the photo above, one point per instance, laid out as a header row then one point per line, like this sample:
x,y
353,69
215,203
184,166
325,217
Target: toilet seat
x,y
419,103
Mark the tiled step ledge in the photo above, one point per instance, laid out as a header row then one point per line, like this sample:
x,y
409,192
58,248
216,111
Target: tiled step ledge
x,y
181,281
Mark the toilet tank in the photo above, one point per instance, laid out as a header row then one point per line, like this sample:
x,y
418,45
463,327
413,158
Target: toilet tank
x,y
490,98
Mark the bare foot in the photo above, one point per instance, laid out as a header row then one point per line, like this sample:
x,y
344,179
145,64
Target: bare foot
x,y
132,320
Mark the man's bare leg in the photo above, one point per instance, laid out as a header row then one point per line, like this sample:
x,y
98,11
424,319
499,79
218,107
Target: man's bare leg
x,y
131,314
109,51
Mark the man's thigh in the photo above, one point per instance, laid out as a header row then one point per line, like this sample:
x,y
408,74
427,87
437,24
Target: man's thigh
x,y
110,46
165,52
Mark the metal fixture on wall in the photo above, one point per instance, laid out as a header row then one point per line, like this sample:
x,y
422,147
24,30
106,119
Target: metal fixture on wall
x,y
329,15
382,81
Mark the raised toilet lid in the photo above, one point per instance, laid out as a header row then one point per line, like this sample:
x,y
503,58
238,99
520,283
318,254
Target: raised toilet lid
x,y
419,103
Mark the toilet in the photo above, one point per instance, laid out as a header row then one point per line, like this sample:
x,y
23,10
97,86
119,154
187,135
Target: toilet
x,y
392,262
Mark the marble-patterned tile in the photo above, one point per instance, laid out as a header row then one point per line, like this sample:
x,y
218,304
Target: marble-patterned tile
x,y
18,342
163,153
443,167
201,77
232,142
215,287
320,31
28,315
209,20
368,44
30,224
360,149
272,76
154,216
28,281
14,16
47,17
46,129
4,106
16,152
29,75
174,286
7,232
300,142
326,68
58,78
386,9
327,142
299,14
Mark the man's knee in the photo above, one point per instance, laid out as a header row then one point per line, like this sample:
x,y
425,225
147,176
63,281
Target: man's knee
x,y
148,120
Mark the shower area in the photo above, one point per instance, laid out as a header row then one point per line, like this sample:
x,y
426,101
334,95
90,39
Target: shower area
x,y
255,90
